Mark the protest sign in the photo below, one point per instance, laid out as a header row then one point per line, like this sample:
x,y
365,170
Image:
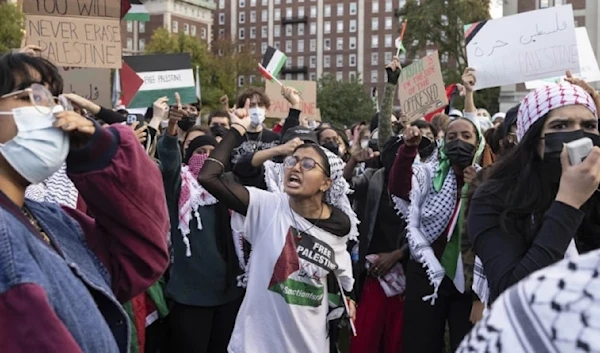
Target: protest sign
x,y
76,42
280,106
145,78
588,65
421,87
73,8
524,47
91,84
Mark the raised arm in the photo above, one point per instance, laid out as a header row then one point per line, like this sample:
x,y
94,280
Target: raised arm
x,y
385,115
400,178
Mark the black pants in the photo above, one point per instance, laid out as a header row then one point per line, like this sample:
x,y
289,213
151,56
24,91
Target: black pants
x,y
195,329
425,324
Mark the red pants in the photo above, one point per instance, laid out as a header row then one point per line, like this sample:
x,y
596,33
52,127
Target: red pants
x,y
378,321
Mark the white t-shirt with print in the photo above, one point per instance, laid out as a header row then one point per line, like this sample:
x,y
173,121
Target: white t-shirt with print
x,y
286,305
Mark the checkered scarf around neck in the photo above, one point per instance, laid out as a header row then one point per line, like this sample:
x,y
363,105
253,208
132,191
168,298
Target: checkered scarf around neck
x,y
430,211
336,196
191,197
541,101
554,310
58,188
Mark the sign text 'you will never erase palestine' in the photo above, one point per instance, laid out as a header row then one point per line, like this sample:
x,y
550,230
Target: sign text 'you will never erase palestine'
x,y
70,8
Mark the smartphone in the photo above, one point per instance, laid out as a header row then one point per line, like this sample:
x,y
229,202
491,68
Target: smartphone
x,y
131,119
579,149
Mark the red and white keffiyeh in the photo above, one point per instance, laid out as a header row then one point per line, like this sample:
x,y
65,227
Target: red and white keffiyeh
x,y
191,197
541,101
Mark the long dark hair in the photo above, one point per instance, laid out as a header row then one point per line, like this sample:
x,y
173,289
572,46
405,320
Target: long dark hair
x,y
517,186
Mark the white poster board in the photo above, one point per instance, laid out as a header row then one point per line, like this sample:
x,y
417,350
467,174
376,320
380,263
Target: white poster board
x,y
524,47
589,70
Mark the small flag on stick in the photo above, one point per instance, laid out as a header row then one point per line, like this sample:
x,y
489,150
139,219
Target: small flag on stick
x,y
198,88
399,45
272,63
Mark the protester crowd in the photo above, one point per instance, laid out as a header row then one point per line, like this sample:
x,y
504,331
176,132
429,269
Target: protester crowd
x,y
173,233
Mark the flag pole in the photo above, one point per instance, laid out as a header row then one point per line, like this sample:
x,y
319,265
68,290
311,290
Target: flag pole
x,y
402,31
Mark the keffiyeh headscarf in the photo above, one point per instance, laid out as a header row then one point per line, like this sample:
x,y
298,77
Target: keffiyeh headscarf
x,y
336,196
554,310
541,101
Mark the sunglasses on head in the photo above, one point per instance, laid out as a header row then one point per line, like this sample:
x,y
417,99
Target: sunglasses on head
x,y
306,163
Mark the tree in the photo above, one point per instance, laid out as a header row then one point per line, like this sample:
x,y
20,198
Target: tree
x,y
219,68
344,103
11,24
441,22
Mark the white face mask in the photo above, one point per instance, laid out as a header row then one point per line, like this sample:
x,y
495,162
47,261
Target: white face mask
x,y
39,149
364,144
257,115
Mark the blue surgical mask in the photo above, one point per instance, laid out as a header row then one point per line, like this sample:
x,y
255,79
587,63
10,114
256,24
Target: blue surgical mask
x,y
257,115
39,149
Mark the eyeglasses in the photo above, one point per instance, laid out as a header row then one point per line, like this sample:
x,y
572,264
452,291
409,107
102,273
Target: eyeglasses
x,y
306,163
40,97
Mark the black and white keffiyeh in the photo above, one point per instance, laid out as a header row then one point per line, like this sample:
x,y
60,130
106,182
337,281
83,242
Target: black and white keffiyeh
x,y
554,310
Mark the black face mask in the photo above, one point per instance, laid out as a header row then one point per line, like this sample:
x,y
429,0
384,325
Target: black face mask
x,y
373,145
553,146
218,130
333,147
460,153
186,123
426,148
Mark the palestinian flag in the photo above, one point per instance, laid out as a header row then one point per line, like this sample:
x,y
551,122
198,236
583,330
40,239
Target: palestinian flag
x,y
272,63
137,12
146,78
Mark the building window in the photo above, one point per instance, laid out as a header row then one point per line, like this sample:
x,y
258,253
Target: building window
x,y
339,76
340,9
313,11
374,76
175,27
288,76
129,26
265,2
253,33
300,29
313,62
375,6
300,76
242,3
388,5
353,8
221,18
339,60
276,30
186,28
289,13
242,17
375,24
352,76
242,33
142,27
352,42
387,57
374,59
264,31
277,15
221,4
544,4
276,45
288,62
388,41
264,16
313,45
352,26
288,47
326,61
277,2
129,43
252,3
327,11
388,23
263,47
240,81
340,26
300,62
313,28
142,44
327,44
340,44
327,29
193,30
221,33
313,76
374,42
288,30
301,12
252,16
301,46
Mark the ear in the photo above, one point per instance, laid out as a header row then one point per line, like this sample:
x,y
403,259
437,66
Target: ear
x,y
326,185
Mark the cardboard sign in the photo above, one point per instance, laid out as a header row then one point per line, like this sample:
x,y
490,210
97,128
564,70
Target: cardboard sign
x,y
590,72
73,8
421,87
280,106
76,42
524,47
91,84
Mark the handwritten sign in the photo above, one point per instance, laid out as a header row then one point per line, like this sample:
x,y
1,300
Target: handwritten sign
x,y
76,42
91,84
280,106
589,70
421,87
524,47
73,8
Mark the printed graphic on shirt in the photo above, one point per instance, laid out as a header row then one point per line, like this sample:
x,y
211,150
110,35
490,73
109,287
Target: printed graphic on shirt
x,y
301,269
248,147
